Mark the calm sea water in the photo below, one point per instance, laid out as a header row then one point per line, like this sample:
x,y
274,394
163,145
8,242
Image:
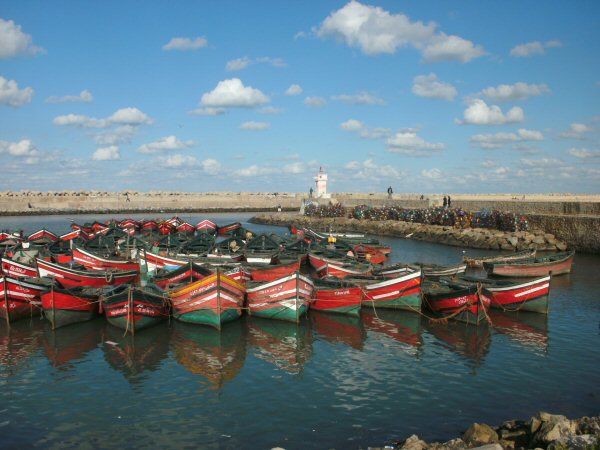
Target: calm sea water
x,y
329,382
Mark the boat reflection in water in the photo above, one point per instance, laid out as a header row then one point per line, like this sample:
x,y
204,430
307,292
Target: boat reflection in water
x,y
527,328
65,346
286,345
133,355
339,328
401,326
469,342
18,342
215,355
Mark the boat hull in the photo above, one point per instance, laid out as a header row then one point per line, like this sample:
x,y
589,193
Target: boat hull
x,y
401,292
19,299
530,296
133,309
340,300
467,304
62,307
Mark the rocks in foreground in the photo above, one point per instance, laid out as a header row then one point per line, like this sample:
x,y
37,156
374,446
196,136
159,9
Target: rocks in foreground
x,y
544,431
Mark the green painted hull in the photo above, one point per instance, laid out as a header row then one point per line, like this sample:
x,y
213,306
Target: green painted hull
x,y
282,313
406,302
209,317
60,318
144,322
538,305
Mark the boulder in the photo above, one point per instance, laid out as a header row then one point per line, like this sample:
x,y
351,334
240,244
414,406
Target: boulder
x,y
579,442
480,433
553,427
513,240
414,443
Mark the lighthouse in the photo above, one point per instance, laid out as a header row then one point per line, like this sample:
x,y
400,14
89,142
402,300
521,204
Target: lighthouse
x,y
321,182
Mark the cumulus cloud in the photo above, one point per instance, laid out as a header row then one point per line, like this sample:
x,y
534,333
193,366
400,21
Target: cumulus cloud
x,y
84,96
315,102
255,170
183,43
255,126
517,91
120,135
374,30
433,174
533,48
408,143
353,125
176,161
208,111
498,140
109,153
429,86
369,169
11,95
576,131
294,89
479,113
294,168
124,116
270,110
542,162
164,144
14,42
242,63
233,94
583,153
22,148
362,98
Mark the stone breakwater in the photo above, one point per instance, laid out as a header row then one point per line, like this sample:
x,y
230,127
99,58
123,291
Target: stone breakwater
x,y
542,431
469,237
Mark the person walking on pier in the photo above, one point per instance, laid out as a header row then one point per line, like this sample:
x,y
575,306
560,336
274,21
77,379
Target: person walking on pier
x,y
390,192
449,202
445,202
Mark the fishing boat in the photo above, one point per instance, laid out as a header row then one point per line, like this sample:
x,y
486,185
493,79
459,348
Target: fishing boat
x,y
556,264
269,272
262,250
399,292
20,298
207,226
458,302
153,261
213,300
70,277
134,308
67,306
95,262
477,261
332,263
285,298
42,235
18,269
516,295
435,270
337,296
226,230
188,273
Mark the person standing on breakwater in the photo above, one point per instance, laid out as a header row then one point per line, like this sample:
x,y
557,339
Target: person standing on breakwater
x,y
390,192
449,201
445,202
310,192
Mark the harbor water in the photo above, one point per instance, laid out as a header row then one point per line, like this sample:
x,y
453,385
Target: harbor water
x,y
329,382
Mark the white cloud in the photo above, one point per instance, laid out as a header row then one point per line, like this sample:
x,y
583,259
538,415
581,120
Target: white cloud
x,y
363,131
576,131
109,153
583,153
479,113
84,96
238,64
533,48
181,43
294,168
232,93
124,116
14,42
176,161
539,163
79,120
433,174
315,102
517,91
130,116
362,98
408,143
121,135
429,86
211,166
270,110
22,148
164,144
451,48
374,30
498,140
208,111
369,169
255,126
352,125
294,89
255,170
11,95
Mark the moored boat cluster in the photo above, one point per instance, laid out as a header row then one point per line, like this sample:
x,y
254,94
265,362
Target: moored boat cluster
x,y
140,272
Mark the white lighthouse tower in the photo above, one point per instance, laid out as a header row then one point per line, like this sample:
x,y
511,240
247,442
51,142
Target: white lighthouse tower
x,y
321,181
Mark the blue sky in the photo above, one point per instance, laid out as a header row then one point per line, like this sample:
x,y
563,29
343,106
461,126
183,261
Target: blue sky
x,y
425,96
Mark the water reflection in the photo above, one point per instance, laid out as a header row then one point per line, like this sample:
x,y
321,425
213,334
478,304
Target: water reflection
x,y
64,346
285,345
217,356
19,341
401,326
466,340
339,328
132,355
527,328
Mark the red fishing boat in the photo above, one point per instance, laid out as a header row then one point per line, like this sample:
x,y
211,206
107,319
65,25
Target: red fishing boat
x,y
214,300
337,296
43,235
226,230
95,262
556,264
17,269
477,261
450,301
149,225
326,266
154,262
67,306
207,225
188,273
400,292
186,227
69,277
269,272
20,298
74,234
134,308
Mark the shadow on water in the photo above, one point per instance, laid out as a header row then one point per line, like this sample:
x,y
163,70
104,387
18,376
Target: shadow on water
x,y
401,326
204,351
19,341
67,345
528,329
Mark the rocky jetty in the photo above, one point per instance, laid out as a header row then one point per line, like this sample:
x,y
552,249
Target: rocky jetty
x,y
481,238
542,431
